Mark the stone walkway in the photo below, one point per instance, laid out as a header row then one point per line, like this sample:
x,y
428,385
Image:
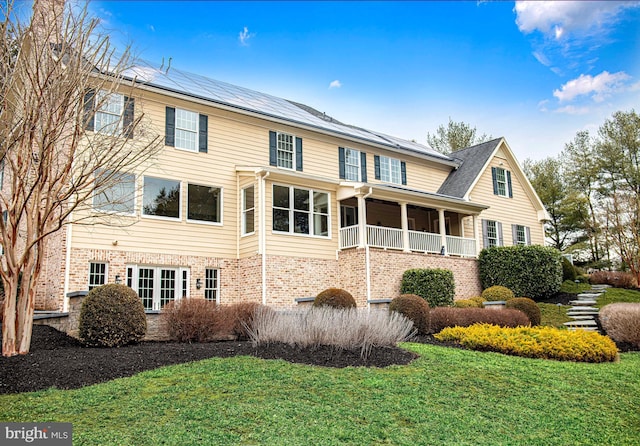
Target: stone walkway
x,y
583,310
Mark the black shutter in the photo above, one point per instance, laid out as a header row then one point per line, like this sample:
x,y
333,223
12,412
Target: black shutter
x,y
203,134
273,148
363,167
299,154
341,163
170,127
495,180
403,171
509,184
89,112
376,162
127,117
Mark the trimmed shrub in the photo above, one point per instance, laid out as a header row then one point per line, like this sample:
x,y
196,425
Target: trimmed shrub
x,y
616,279
190,320
414,308
436,286
335,298
528,307
534,271
467,303
568,270
443,317
111,316
237,319
496,293
535,342
621,322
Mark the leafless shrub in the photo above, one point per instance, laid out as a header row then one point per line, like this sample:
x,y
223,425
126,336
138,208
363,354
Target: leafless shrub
x,y
616,279
190,320
347,329
621,321
442,317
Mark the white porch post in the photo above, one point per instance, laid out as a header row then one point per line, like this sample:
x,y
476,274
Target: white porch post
x,y
405,226
362,221
475,233
443,231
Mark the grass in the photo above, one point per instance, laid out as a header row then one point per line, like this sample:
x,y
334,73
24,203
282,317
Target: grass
x,y
618,295
447,396
553,315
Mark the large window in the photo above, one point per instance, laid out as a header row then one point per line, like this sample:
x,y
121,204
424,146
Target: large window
x,y
186,130
390,170
115,192
161,197
300,211
158,285
204,203
501,182
97,274
108,118
352,164
212,285
248,210
286,151
492,233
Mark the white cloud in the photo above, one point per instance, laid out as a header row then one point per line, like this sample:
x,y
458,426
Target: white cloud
x,y
151,28
559,18
244,36
335,84
597,87
573,110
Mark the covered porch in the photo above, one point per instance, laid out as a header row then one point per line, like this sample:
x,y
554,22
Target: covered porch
x,y
390,217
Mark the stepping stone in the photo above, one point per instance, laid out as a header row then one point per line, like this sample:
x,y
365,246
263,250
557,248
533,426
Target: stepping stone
x,y
589,295
582,302
583,317
581,324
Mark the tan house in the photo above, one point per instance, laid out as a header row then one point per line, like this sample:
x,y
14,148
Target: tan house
x,y
256,198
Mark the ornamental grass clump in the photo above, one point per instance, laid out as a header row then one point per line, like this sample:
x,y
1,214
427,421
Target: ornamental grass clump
x,y
534,342
621,322
443,317
112,316
414,308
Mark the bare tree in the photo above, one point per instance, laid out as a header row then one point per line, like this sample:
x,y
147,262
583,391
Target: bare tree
x,y
455,136
57,74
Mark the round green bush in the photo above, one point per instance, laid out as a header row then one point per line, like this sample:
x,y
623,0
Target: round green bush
x,y
112,315
474,302
528,307
414,308
336,298
497,292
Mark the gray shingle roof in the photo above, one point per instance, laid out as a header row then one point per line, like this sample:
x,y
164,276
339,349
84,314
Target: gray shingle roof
x,y
241,98
472,161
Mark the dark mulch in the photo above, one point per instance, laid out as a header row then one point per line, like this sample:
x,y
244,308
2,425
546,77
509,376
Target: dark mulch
x,y
57,360
560,298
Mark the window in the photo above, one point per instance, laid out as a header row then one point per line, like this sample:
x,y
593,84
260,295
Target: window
x,y
115,192
248,210
204,203
492,233
285,151
348,216
186,130
158,285
300,211
352,164
521,235
212,285
161,198
390,170
109,113
97,274
501,182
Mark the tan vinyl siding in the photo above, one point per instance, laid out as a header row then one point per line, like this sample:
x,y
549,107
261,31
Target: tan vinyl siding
x,y
518,210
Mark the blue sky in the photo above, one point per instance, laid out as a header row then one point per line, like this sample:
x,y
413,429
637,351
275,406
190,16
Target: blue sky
x,y
533,72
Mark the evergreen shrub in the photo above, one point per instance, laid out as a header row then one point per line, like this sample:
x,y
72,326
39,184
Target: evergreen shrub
x,y
335,298
528,307
414,308
436,286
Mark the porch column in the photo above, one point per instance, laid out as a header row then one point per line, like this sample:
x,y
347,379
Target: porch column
x,y
475,233
405,226
362,221
443,231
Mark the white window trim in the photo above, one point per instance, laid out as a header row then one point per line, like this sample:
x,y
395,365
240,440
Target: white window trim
x,y
160,217
156,281
497,237
293,146
176,128
124,214
311,213
202,222
389,162
217,288
357,166
244,211
100,95
506,183
106,273
524,232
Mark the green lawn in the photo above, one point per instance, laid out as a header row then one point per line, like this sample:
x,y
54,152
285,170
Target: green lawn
x,y
448,396
618,295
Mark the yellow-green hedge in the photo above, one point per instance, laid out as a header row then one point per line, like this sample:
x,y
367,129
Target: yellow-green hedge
x,y
534,342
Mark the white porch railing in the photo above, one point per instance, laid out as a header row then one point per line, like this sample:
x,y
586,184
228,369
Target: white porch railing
x,y
391,238
381,237
348,237
461,246
425,242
